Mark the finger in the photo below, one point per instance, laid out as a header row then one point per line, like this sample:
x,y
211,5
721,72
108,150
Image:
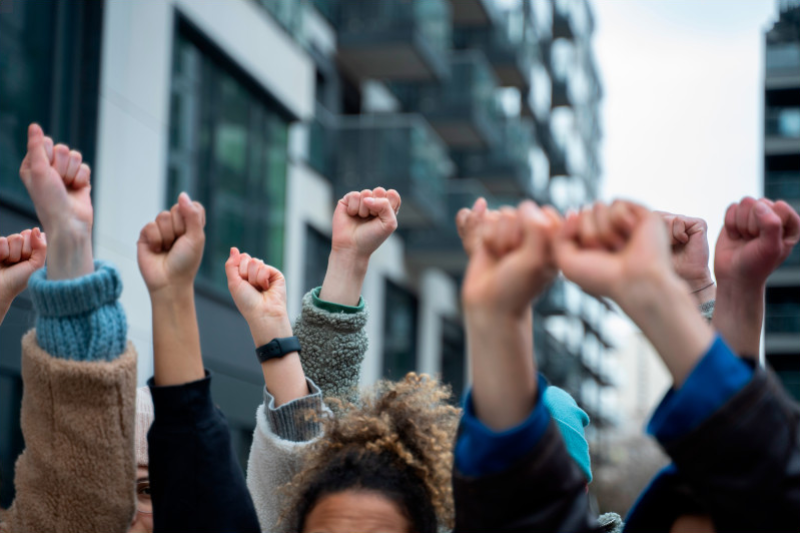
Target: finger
x,y
164,223
262,280
379,192
622,217
26,245
363,209
461,220
252,271
480,206
743,216
510,234
178,224
730,222
232,266
588,230
353,202
606,233
38,248
3,249
193,215
151,236
83,177
14,248
679,234
532,221
61,159
381,208
395,200
769,226
48,149
790,220
73,165
39,161
244,265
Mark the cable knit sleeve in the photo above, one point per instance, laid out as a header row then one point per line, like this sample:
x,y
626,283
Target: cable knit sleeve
x,y
333,344
80,319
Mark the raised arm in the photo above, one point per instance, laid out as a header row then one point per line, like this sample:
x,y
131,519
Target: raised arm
x,y
192,463
21,255
756,238
78,371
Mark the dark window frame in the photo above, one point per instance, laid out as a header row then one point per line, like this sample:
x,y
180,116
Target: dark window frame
x,y
397,372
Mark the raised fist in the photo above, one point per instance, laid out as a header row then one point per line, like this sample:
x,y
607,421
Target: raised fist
x,y
512,261
21,255
259,291
612,250
468,223
170,248
364,220
689,239
757,237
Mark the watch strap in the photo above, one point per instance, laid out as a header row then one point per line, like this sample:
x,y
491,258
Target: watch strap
x,y
278,348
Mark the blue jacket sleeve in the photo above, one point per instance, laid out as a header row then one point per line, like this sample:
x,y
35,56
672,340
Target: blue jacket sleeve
x,y
481,451
196,481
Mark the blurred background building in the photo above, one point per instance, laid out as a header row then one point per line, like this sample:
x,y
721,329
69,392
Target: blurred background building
x,y
268,111
782,180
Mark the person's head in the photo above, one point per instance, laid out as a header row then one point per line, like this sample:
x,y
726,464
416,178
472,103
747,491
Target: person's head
x,y
382,465
143,519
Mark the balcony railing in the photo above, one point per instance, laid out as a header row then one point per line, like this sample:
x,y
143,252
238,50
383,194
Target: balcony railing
x,y
505,169
782,186
401,152
783,322
288,14
398,40
783,122
322,147
473,12
783,59
463,109
441,247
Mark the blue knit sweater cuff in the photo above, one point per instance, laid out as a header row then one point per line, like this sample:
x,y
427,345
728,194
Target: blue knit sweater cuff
x,y
80,319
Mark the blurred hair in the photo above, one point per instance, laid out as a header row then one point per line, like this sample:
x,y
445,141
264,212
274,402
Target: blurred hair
x,y
398,442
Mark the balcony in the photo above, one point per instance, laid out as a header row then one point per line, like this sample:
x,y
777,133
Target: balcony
x,y
322,142
406,40
782,185
473,12
504,169
440,247
563,20
782,130
509,55
462,109
288,14
783,65
400,152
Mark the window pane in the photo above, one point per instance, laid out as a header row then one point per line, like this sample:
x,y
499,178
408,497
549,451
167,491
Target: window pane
x,y
400,332
228,150
453,356
318,248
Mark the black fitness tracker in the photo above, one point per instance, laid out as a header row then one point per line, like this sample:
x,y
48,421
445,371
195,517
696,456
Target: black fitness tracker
x,y
278,348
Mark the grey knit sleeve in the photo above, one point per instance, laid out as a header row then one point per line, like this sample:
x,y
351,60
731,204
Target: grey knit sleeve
x,y
298,420
707,309
333,347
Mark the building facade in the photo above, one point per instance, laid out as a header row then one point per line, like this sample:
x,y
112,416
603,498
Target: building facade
x,y
782,181
268,111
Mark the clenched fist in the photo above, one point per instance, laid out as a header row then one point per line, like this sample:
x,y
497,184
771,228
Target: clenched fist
x,y
364,220
170,248
21,255
689,239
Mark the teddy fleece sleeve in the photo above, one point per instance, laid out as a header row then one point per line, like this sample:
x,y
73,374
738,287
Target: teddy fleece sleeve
x,y
333,344
78,410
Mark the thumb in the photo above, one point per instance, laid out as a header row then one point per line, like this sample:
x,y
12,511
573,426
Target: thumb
x,y
37,155
38,249
769,225
381,208
232,266
193,215
535,224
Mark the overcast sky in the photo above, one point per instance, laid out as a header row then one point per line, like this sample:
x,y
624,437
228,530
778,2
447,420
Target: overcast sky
x,y
682,104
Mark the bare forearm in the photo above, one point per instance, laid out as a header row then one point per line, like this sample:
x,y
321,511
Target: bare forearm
x,y
176,338
738,316
69,254
503,368
344,278
668,317
283,377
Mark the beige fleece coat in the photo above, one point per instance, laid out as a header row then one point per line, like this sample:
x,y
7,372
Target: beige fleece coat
x,y
78,469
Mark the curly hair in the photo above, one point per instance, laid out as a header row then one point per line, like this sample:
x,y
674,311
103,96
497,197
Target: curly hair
x,y
398,441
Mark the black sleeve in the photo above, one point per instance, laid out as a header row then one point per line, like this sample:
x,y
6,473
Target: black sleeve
x,y
195,479
543,491
743,463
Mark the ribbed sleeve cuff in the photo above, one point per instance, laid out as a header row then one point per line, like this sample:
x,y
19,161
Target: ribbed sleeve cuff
x,y
80,319
182,406
298,420
333,307
333,316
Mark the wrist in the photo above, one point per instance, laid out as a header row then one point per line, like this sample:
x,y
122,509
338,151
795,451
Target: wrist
x,y
702,291
265,329
69,253
173,292
644,292
344,278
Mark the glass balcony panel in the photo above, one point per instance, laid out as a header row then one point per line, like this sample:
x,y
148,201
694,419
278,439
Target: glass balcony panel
x,y
398,40
399,152
782,185
288,14
783,122
322,142
783,59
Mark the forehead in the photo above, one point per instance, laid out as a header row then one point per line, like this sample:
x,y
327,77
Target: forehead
x,y
348,511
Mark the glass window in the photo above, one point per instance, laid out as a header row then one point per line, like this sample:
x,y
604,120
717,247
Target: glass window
x,y
453,356
318,248
400,332
228,150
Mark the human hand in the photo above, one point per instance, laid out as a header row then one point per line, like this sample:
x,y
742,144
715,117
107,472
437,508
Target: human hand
x,y
259,291
21,254
468,223
689,239
364,220
512,261
170,248
58,182
757,237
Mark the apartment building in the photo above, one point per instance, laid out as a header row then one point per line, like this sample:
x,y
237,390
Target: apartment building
x,y
268,111
782,181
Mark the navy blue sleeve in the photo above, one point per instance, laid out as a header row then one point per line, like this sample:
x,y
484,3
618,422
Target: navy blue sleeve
x,y
717,378
195,479
481,451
